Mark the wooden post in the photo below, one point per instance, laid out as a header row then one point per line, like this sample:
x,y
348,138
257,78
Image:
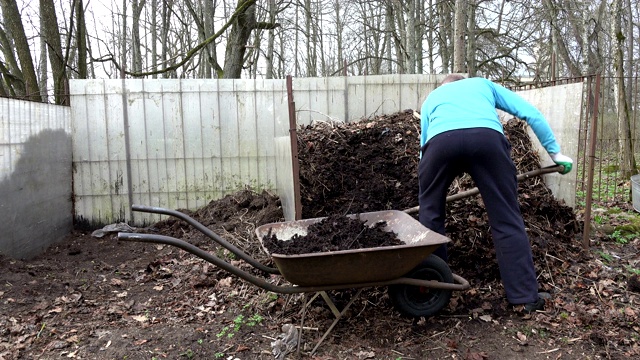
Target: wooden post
x,y
293,136
592,158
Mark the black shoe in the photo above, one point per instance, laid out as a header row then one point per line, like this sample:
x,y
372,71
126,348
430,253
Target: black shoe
x,y
537,305
533,306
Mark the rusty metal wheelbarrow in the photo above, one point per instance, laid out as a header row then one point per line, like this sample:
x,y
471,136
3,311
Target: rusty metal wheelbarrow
x,y
419,284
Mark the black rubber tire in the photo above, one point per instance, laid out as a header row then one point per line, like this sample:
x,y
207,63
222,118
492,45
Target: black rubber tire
x,y
420,301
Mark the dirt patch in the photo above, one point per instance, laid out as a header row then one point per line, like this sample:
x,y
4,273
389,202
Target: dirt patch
x,y
100,298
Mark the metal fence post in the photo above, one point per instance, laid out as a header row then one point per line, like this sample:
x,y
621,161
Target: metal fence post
x,y
592,157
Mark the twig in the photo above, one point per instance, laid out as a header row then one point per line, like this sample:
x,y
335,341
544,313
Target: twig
x,y
549,270
595,287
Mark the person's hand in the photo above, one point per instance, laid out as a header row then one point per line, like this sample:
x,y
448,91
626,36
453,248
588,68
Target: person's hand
x,y
563,160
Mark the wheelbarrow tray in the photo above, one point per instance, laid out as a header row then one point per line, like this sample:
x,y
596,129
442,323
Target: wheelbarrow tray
x,y
358,265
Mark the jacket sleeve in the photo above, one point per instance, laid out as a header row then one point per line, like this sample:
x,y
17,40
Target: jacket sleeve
x,y
515,105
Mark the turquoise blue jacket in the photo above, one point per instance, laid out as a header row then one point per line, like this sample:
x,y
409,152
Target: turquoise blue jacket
x,y
472,103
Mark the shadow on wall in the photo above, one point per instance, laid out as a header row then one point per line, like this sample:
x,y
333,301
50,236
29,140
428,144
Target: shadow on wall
x,y
35,206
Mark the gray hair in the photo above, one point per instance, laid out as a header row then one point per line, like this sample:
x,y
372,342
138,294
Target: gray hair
x,y
451,78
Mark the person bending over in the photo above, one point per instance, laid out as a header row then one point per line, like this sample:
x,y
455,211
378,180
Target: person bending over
x,y
461,133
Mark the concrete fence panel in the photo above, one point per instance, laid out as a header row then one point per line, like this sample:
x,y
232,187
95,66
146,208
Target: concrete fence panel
x,y
35,176
181,143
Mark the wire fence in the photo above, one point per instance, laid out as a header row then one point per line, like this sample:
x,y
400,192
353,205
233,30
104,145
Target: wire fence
x,y
599,156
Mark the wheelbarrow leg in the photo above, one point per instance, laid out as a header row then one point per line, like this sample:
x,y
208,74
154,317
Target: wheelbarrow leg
x,y
337,313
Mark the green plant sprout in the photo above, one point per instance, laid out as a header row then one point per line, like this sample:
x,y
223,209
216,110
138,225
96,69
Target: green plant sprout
x,y
222,332
255,320
633,270
606,257
238,321
189,354
237,324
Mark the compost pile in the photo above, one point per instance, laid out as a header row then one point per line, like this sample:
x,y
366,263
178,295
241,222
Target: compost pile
x,y
234,218
371,165
333,233
366,166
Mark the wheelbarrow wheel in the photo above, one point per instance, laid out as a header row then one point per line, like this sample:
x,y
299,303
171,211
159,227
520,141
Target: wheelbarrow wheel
x,y
419,301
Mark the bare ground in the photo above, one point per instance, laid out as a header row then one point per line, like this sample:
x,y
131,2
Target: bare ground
x,y
101,298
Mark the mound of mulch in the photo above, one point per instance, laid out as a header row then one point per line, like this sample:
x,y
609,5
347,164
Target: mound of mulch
x,y
359,167
233,217
372,165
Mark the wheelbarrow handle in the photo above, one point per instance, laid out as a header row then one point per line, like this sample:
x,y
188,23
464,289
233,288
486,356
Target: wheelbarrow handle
x,y
205,230
459,284
475,190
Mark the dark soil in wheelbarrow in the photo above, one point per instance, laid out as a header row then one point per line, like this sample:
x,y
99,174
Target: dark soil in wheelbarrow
x,y
100,298
333,233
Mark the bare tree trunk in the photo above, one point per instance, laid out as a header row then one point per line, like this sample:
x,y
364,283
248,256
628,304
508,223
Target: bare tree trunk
x,y
373,38
629,72
123,43
445,29
239,35
56,58
625,146
319,35
3,89
13,23
419,34
311,40
14,85
44,69
199,18
282,65
458,45
389,30
270,41
558,43
296,44
253,56
595,56
410,39
339,38
471,38
11,71
399,39
430,37
81,40
154,37
136,48
164,33
209,13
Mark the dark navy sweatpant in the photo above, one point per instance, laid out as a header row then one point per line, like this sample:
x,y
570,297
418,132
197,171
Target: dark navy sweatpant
x,y
485,154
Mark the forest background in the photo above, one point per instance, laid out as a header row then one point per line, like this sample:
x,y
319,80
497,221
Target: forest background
x,y
45,43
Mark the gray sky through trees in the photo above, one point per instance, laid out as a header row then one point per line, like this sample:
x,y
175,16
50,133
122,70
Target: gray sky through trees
x,y
501,40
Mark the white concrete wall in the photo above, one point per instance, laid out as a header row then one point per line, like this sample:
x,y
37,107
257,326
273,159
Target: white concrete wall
x,y
192,141
35,176
188,141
